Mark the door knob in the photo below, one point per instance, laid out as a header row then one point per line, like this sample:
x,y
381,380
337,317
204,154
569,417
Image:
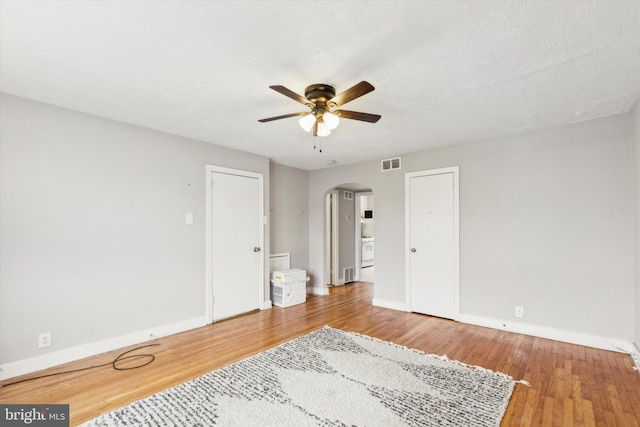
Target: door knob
x,y
413,249
256,249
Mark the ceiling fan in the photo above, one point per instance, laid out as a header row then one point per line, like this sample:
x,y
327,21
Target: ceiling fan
x,y
322,100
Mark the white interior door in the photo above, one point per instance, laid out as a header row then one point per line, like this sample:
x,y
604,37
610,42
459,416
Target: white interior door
x,y
236,236
432,237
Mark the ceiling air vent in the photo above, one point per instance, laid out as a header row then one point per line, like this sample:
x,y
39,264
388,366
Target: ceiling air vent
x,y
390,164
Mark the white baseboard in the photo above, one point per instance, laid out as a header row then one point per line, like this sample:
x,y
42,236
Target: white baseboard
x,y
48,360
587,340
319,290
393,305
635,355
266,305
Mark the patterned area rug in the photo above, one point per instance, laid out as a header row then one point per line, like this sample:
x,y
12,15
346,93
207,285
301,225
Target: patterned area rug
x,y
329,378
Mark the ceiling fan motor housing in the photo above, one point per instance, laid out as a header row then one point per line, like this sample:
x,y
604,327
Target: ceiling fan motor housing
x,y
319,95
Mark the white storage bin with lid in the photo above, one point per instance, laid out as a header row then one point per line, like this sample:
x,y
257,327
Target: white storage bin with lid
x,y
289,287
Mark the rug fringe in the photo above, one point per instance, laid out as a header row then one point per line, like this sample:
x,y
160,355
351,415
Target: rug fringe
x,y
443,357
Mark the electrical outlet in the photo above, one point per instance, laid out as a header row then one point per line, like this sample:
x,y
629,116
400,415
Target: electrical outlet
x,y
44,340
519,311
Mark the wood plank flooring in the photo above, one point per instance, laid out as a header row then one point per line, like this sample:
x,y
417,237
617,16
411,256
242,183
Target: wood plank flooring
x,y
571,385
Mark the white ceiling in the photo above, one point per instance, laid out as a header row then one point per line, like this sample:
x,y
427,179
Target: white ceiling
x,y
444,72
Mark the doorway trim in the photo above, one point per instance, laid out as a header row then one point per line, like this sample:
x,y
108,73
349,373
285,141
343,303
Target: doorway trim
x,y
209,238
456,233
332,248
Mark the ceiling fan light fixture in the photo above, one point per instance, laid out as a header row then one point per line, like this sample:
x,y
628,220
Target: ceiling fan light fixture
x,y
331,120
323,129
321,98
307,121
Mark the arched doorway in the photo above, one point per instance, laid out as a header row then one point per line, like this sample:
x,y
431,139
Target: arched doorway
x,y
349,234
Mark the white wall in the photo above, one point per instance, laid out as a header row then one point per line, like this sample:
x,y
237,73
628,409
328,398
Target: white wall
x,y
289,218
636,141
546,221
94,242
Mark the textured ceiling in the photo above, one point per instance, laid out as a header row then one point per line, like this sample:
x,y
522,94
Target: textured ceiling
x,y
444,72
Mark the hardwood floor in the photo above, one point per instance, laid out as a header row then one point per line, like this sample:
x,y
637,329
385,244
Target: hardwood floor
x,y
570,385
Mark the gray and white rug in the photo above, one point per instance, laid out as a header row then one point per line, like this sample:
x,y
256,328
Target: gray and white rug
x,y
329,378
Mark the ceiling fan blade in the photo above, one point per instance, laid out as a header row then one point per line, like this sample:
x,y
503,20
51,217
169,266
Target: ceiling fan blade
x,y
286,116
291,94
356,115
352,93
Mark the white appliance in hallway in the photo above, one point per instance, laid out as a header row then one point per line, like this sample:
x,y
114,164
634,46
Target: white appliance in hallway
x,y
367,252
289,287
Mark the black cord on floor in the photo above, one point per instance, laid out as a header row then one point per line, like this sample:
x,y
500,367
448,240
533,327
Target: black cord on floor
x,y
113,363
